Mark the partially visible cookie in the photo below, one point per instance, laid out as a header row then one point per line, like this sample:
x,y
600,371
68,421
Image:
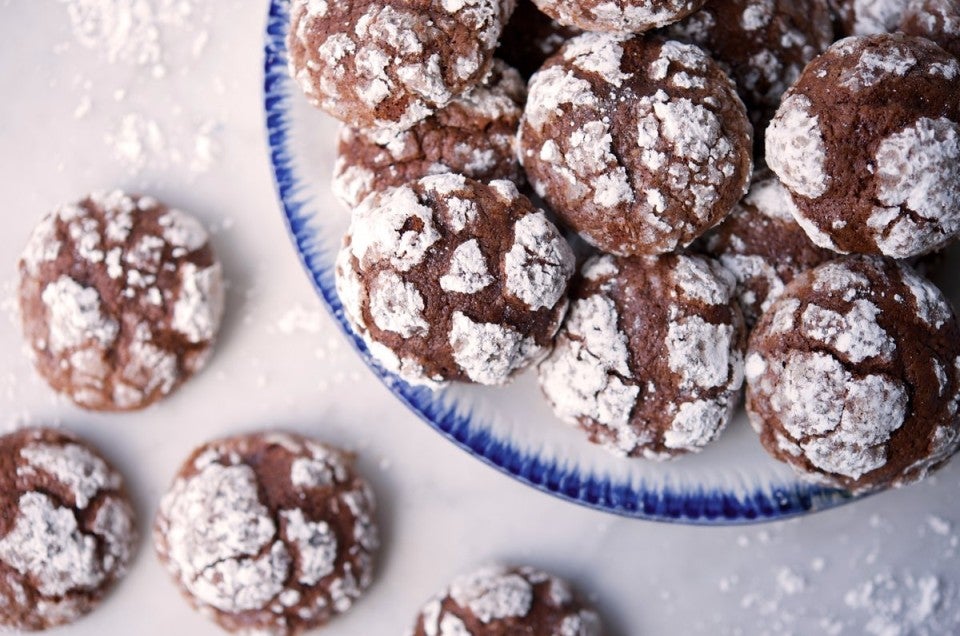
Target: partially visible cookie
x,y
867,17
120,298
473,135
936,20
638,144
447,278
624,16
269,533
853,375
507,601
868,143
761,244
390,64
649,361
67,529
530,37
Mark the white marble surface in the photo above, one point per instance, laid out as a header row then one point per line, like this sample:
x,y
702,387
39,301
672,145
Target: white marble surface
x,y
887,565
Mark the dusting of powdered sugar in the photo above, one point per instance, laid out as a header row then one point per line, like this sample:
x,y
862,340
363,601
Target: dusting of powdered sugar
x,y
932,308
397,305
316,545
876,65
81,471
598,53
468,271
634,16
918,171
700,352
46,545
378,231
199,306
74,316
771,199
588,376
539,263
703,280
876,16
493,593
696,424
795,149
489,353
856,334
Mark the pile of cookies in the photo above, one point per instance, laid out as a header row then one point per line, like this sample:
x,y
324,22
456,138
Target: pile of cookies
x,y
751,181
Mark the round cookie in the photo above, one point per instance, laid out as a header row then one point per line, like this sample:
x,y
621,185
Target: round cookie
x,y
530,37
500,601
640,145
447,278
761,244
649,361
625,16
67,529
854,375
473,135
868,143
936,20
120,299
763,44
867,17
271,533
390,64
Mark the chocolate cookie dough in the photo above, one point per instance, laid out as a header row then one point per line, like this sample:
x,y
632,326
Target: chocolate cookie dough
x,y
530,37
761,244
390,64
120,299
936,20
763,44
624,16
67,529
501,601
868,143
473,135
854,375
269,533
447,278
649,361
640,145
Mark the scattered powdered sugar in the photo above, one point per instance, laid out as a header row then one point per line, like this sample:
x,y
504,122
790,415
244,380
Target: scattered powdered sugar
x,y
468,271
855,334
46,545
585,376
539,263
700,352
74,316
918,170
316,544
378,229
795,147
898,606
489,353
493,593
73,465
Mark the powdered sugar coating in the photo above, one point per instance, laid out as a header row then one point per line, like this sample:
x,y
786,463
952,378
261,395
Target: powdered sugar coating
x,y
252,546
892,190
629,16
425,278
650,357
639,146
390,65
121,299
835,397
69,533
867,17
494,598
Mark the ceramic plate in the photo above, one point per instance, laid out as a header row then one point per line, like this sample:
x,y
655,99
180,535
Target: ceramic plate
x,y
512,428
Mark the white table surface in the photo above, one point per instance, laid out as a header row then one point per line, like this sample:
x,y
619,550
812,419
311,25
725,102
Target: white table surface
x,y
70,117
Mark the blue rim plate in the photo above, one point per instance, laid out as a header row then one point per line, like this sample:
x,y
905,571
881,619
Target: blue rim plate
x,y
512,428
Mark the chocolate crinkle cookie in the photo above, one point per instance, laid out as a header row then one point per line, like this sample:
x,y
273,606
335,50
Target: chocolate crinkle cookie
x,y
473,135
506,601
447,278
649,361
622,16
120,299
268,533
936,20
868,143
530,37
761,244
763,44
867,17
67,529
854,375
640,145
390,64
